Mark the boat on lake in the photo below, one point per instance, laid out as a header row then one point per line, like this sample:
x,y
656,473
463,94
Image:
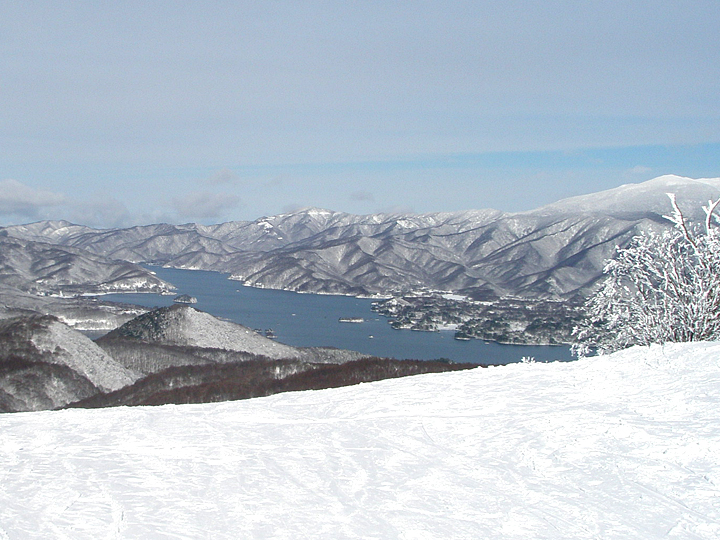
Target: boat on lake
x,y
351,319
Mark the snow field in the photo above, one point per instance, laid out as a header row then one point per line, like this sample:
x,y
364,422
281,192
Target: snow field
x,y
624,446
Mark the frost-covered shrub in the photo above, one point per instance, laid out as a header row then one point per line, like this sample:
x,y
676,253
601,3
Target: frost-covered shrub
x,y
662,287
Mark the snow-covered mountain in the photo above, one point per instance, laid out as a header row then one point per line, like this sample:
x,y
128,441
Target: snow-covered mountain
x,y
45,338
183,325
37,276
619,447
40,267
554,251
645,198
45,364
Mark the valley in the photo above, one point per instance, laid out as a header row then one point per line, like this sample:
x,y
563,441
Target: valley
x,y
359,270
306,320
484,275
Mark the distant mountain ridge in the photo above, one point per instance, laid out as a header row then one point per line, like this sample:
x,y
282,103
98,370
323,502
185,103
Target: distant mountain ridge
x,y
556,251
645,198
40,267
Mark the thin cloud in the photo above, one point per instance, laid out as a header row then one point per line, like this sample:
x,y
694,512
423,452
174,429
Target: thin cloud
x,y
204,205
102,213
17,199
362,196
223,176
276,181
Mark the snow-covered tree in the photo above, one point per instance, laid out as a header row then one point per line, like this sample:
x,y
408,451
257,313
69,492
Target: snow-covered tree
x,y
662,287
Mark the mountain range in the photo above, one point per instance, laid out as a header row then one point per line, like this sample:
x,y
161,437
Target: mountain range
x,y
556,251
47,269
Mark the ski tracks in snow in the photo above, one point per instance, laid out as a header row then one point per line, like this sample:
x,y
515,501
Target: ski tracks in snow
x,y
626,446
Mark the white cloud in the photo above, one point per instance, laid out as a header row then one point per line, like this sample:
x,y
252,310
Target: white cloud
x,y
20,200
102,213
362,196
204,205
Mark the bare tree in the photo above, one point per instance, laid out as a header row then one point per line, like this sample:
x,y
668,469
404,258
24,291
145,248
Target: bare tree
x,y
663,287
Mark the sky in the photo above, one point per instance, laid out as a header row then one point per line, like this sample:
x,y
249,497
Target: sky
x,y
131,112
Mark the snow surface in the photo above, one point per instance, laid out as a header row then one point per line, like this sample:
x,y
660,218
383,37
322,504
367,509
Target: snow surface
x,y
624,446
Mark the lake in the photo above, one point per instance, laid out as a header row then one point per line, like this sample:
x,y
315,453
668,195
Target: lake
x,y
311,320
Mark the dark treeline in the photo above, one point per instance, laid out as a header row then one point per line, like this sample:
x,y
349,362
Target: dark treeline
x,y
257,378
30,385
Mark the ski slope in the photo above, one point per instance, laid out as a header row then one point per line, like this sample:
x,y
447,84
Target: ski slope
x,y
618,447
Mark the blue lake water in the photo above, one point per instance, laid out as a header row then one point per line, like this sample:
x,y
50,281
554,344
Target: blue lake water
x,y
311,320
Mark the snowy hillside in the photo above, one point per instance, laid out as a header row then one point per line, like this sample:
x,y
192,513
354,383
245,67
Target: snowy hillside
x,y
644,198
46,339
185,325
626,446
44,268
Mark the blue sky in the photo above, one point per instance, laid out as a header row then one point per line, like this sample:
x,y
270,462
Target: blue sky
x,y
121,113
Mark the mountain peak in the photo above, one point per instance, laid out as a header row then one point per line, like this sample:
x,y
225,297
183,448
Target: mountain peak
x,y
641,198
312,212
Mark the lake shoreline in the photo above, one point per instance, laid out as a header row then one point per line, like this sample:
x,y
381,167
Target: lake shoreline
x,y
312,320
